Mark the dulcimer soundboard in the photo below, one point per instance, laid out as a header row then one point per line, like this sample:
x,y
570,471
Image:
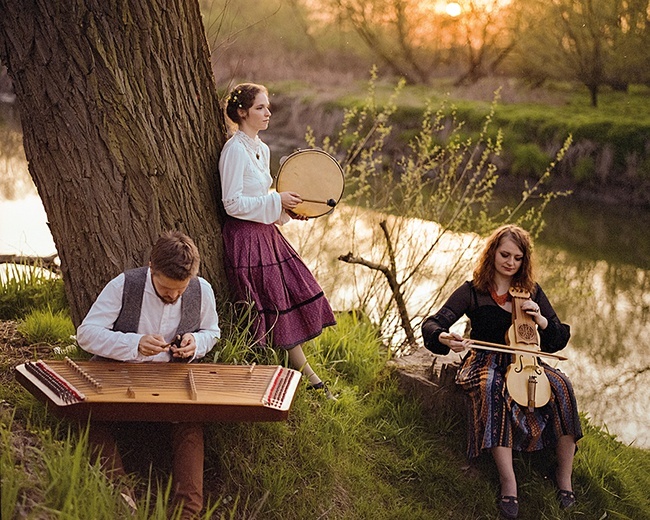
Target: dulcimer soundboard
x,y
161,392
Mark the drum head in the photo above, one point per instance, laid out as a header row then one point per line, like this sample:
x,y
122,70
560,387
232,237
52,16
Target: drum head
x,y
317,177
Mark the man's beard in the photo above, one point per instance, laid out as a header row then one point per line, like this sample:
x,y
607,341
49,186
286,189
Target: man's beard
x,y
165,299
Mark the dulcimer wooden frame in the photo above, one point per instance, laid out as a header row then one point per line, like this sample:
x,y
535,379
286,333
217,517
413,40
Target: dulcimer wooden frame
x,y
161,392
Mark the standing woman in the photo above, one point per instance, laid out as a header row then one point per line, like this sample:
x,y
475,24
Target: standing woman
x,y
496,422
289,305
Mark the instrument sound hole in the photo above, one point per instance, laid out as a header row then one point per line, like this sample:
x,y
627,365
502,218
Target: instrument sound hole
x,y
526,332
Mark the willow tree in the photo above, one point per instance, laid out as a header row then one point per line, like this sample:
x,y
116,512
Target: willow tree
x,y
122,130
594,43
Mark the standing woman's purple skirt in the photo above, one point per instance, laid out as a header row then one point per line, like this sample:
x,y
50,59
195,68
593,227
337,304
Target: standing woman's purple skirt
x,y
264,269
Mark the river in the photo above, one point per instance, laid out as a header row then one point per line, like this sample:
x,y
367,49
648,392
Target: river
x,y
594,264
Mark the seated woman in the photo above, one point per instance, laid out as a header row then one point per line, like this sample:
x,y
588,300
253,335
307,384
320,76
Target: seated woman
x,y
497,423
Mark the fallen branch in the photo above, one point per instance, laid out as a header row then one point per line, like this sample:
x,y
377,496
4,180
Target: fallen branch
x,y
46,262
391,275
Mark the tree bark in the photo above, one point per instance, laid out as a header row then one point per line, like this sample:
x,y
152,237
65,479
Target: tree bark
x,y
122,130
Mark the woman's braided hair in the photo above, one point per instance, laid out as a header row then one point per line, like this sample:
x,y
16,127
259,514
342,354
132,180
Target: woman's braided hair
x,y
242,97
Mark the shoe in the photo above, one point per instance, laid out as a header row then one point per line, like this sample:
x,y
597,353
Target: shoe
x,y
322,386
128,498
508,507
566,498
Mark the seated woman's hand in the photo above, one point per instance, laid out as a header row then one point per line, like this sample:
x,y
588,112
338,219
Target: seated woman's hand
x,y
454,341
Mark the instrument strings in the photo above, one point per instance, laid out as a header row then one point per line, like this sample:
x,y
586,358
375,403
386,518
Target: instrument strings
x,y
162,391
223,379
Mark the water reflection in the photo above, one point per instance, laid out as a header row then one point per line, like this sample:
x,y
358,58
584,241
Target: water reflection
x,y
606,304
608,308
357,231
23,228
15,181
594,231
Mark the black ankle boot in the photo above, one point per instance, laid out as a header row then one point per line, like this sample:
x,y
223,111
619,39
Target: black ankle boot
x,y
508,507
322,386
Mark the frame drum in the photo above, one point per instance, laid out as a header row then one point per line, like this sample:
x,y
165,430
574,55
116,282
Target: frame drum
x,y
317,177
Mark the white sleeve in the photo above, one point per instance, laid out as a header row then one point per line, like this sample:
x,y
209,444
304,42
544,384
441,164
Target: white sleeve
x,y
284,218
265,207
209,331
95,334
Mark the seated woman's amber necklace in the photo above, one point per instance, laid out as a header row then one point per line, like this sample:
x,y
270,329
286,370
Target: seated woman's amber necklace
x,y
501,299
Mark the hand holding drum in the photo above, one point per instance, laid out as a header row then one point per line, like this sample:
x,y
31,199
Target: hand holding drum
x,y
316,177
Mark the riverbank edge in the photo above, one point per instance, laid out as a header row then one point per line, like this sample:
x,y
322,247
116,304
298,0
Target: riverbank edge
x,y
607,162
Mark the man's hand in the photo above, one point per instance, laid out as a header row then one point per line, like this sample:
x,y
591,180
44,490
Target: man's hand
x,y
152,344
187,347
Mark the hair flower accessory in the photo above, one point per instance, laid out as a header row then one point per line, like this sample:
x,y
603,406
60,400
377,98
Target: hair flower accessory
x,y
234,98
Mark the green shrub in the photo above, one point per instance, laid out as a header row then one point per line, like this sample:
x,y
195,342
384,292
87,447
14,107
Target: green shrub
x,y
628,139
583,170
529,161
644,169
46,326
25,288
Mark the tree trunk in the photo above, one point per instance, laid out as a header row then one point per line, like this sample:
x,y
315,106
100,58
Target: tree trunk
x,y
593,94
122,130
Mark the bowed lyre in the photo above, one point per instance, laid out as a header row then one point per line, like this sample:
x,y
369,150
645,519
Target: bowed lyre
x,y
526,380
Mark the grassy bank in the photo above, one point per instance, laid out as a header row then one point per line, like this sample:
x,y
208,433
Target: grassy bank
x,y
372,454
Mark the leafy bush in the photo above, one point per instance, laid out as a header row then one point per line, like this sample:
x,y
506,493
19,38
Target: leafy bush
x,y
529,161
584,169
25,288
46,326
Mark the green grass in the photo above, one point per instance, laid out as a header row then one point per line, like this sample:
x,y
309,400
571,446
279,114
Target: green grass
x,y
45,326
46,473
564,102
51,477
543,118
24,288
374,453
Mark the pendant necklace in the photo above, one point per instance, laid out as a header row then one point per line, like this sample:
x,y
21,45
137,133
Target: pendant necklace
x,y
252,145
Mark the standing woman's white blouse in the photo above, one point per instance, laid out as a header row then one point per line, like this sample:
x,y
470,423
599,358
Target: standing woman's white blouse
x,y
246,181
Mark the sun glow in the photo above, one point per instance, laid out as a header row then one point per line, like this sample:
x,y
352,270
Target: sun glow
x,y
453,9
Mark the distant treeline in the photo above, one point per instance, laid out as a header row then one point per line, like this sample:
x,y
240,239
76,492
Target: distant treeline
x,y
596,44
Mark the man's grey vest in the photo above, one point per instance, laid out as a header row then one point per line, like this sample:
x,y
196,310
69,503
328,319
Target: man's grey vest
x,y
129,317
